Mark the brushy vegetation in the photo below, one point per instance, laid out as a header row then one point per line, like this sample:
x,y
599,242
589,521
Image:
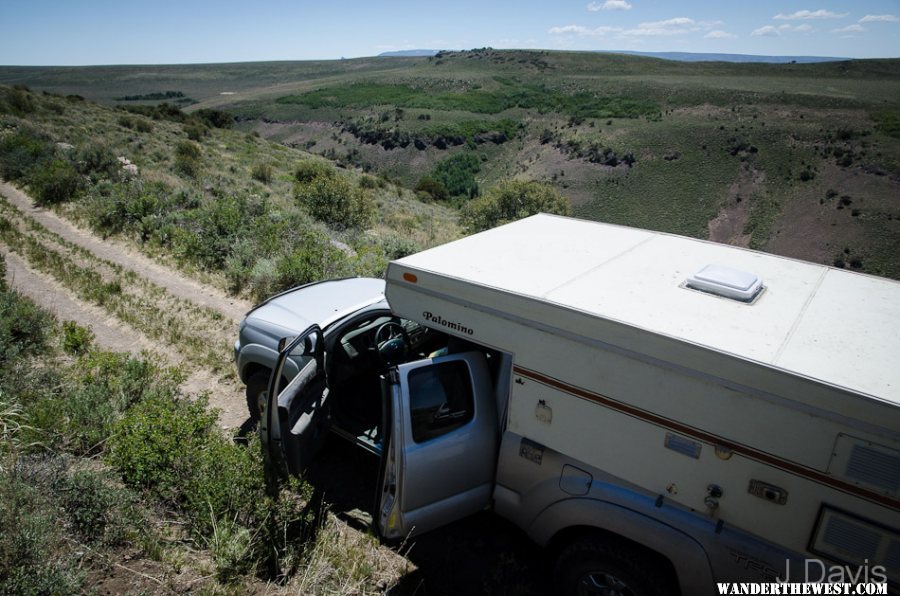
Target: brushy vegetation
x,y
152,449
259,243
512,200
336,201
457,175
582,104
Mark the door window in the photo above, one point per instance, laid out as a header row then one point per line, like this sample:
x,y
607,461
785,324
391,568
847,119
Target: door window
x,y
440,398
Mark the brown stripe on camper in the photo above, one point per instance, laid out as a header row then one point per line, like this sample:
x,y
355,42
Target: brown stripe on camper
x,y
749,452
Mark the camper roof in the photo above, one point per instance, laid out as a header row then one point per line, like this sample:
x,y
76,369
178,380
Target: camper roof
x,y
839,327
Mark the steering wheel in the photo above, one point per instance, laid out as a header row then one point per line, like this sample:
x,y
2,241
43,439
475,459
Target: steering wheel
x,y
392,343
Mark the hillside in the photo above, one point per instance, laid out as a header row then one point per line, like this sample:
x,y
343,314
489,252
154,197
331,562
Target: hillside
x,y
196,190
798,159
222,205
116,379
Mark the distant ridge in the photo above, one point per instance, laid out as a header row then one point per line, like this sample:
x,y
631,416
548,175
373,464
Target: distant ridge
x,y
677,56
408,53
701,57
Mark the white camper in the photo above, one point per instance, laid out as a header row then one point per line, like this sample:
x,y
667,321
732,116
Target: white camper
x,y
662,413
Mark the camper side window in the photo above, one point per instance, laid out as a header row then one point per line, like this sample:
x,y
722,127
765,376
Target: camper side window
x,y
440,399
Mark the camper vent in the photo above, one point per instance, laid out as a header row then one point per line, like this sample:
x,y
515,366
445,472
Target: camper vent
x,y
846,538
851,538
726,282
874,467
866,464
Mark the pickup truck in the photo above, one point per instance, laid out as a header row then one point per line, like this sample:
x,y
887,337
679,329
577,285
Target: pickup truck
x,y
660,413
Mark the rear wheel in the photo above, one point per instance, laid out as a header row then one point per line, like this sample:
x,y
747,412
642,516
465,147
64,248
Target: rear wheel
x,y
595,567
257,388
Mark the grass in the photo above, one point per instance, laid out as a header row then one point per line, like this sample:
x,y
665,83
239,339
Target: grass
x,y
105,462
195,332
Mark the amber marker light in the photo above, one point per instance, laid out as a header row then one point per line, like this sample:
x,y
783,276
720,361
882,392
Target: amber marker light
x,y
410,277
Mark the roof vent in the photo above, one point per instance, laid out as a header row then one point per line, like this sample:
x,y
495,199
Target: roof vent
x,y
727,283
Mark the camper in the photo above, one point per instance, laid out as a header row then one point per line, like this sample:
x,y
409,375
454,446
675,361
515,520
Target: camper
x,y
661,413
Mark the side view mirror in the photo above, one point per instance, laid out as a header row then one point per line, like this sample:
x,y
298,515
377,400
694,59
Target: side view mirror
x,y
304,348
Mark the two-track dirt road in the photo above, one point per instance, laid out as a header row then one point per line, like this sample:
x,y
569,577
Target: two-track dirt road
x,y
210,314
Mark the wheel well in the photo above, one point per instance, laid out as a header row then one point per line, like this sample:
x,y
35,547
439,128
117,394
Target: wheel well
x,y
253,368
573,534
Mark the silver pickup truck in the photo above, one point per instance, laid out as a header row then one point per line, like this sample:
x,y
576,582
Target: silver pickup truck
x,y
363,339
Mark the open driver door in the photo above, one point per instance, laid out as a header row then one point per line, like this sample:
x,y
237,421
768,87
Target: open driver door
x,y
295,415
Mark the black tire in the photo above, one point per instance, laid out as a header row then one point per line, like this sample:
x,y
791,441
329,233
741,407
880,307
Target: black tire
x,y
593,566
257,383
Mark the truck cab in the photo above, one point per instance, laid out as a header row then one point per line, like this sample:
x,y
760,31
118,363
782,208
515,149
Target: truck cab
x,y
336,360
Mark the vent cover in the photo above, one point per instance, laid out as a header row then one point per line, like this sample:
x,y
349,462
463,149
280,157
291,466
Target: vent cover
x,y
866,464
846,538
874,467
726,282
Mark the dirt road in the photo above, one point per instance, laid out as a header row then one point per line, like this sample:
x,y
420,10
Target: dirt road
x,y
150,307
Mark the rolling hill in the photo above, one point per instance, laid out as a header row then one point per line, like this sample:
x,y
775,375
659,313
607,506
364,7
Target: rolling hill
x,y
798,159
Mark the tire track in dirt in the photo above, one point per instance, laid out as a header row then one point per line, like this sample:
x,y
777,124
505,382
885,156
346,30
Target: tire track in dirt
x,y
44,291
121,254
225,391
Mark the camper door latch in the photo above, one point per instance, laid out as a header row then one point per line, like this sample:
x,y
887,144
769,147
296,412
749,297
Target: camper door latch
x,y
713,494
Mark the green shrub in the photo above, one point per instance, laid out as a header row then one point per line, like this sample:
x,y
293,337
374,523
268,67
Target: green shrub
x,y
310,169
262,172
78,411
155,445
368,181
397,247
142,125
21,101
76,339
512,200
207,235
336,202
195,131
98,162
214,118
55,182
311,258
23,152
434,189
457,174
33,551
188,150
23,326
98,512
187,158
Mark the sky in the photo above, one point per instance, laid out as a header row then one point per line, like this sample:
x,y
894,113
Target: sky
x,y
87,32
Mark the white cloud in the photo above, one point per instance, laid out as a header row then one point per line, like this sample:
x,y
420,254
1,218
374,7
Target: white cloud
x,y
609,5
773,31
880,18
718,34
767,31
668,27
850,29
676,26
809,14
583,31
